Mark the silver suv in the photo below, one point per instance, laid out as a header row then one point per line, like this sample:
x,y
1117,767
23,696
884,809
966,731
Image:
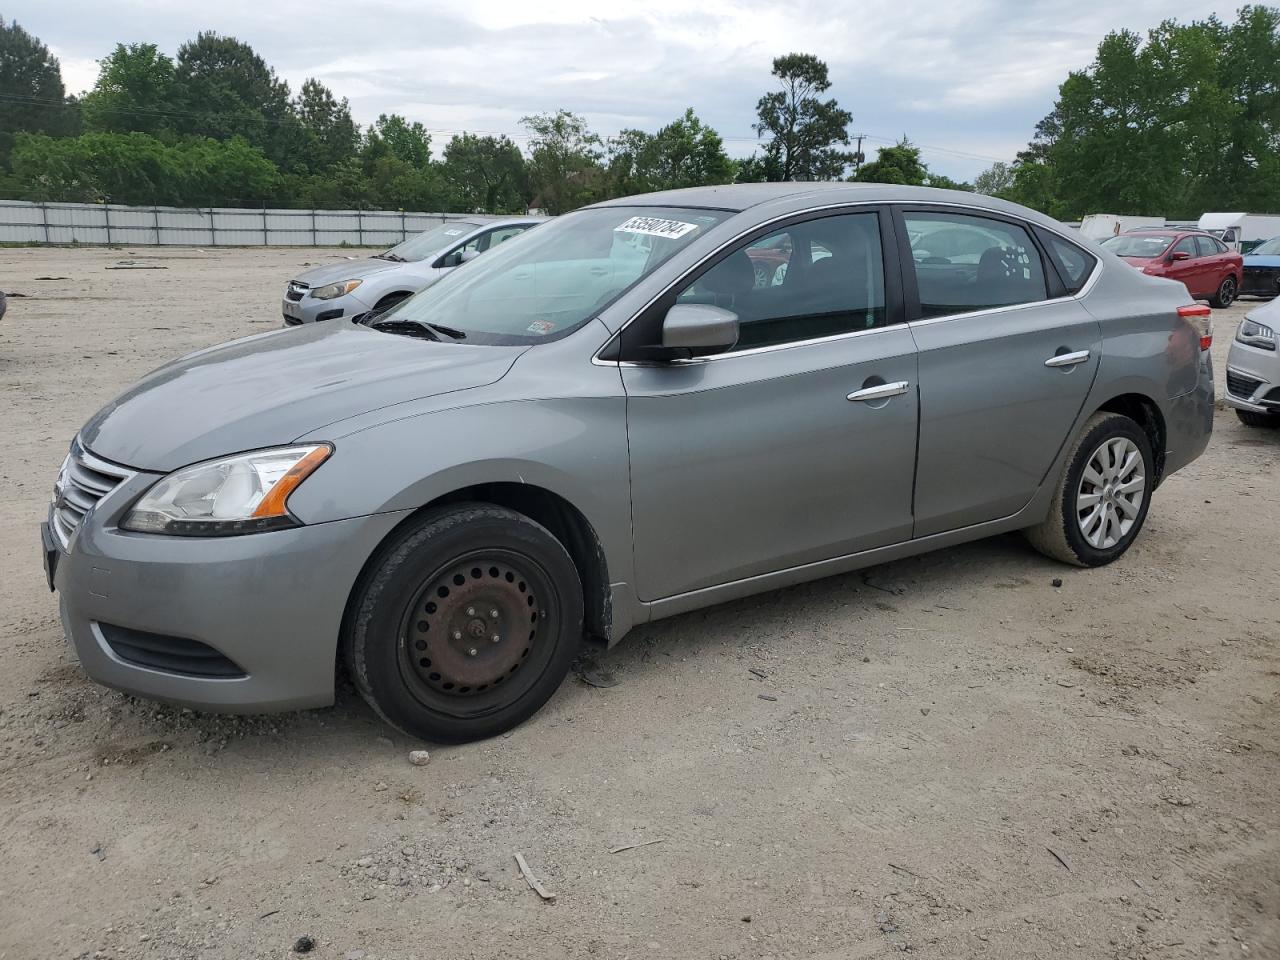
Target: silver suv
x,y
351,289
631,412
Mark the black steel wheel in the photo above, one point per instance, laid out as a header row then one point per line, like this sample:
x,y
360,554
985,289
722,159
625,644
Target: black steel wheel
x,y
466,624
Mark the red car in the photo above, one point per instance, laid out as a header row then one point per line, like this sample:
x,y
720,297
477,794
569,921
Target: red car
x,y
1209,270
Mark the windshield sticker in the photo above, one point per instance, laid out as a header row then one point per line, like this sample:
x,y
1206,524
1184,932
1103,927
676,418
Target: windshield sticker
x,y
541,327
656,227
452,233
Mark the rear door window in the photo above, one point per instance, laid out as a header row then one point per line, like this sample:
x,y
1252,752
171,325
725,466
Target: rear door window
x,y
1208,246
965,262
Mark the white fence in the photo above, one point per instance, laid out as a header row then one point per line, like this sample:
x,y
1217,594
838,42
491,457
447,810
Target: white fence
x,y
95,223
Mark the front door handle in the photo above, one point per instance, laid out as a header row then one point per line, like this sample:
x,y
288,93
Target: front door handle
x,y
1067,359
882,391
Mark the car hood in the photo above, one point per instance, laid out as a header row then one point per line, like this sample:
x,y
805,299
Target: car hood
x,y
272,388
1261,260
346,270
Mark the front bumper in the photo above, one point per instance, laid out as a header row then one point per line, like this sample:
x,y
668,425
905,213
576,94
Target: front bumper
x,y
1260,282
1252,378
311,310
269,604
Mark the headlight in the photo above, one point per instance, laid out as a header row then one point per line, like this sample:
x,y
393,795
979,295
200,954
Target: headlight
x,y
334,290
240,494
1256,335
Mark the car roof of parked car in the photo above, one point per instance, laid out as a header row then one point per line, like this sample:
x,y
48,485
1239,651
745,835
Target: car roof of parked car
x,y
743,196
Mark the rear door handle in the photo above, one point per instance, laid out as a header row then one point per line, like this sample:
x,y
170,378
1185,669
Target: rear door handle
x,y
881,392
1067,359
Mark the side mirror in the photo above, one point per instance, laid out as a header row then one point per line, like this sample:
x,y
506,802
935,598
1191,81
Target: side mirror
x,y
699,327
466,256
1179,255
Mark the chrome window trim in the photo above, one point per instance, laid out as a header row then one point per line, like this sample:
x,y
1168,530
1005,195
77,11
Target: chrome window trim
x,y
1027,224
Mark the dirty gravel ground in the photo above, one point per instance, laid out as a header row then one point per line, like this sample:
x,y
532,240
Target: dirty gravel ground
x,y
940,725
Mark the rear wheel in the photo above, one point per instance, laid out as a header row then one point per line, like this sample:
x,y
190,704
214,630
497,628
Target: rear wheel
x,y
1226,294
1102,496
1251,419
466,625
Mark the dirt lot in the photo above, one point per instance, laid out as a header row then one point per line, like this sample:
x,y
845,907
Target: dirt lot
x,y
955,758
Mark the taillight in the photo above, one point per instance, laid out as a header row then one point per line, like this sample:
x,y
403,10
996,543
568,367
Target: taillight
x,y
1201,317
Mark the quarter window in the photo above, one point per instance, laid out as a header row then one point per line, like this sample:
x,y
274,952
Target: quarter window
x,y
964,263
813,279
1074,265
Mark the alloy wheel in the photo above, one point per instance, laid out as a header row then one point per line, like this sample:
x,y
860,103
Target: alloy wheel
x,y
1110,496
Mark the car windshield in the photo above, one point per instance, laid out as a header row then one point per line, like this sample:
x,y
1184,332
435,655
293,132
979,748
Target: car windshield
x,y
430,241
1146,246
548,282
1271,247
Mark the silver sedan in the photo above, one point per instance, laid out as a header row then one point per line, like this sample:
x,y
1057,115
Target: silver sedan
x,y
646,407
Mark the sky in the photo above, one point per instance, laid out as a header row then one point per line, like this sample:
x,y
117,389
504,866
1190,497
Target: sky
x,y
966,81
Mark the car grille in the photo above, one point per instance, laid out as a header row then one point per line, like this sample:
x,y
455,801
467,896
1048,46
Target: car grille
x,y
170,654
83,480
296,291
1238,385
1261,281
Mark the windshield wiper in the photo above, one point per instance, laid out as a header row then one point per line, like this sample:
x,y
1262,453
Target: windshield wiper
x,y
453,333
401,323
433,330
390,256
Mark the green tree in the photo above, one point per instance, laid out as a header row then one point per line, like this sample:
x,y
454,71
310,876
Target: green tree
x,y
228,90
899,163
805,132
137,168
32,97
1183,120
136,90
331,133
995,181
684,153
564,160
486,174
393,135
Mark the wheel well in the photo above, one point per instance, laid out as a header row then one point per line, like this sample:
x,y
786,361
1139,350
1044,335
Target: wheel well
x,y
395,296
566,523
1144,411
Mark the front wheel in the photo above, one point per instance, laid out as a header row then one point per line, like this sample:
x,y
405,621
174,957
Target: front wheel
x,y
1226,294
466,624
1102,496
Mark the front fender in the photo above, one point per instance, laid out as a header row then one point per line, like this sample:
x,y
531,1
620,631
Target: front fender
x,y
574,447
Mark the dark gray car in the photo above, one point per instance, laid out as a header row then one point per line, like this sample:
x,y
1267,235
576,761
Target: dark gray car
x,y
648,406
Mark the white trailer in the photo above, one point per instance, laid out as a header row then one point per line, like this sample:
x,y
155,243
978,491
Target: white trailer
x,y
1100,226
1241,231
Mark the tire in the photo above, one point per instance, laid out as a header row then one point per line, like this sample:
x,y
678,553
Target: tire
x,y
1061,535
1251,419
1226,294
420,639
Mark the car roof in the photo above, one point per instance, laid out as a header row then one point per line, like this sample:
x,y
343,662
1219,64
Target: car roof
x,y
1166,232
743,196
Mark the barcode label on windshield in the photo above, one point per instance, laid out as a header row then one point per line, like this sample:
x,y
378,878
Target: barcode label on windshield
x,y
656,227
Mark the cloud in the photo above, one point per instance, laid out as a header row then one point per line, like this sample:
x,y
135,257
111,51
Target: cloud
x,y
966,81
